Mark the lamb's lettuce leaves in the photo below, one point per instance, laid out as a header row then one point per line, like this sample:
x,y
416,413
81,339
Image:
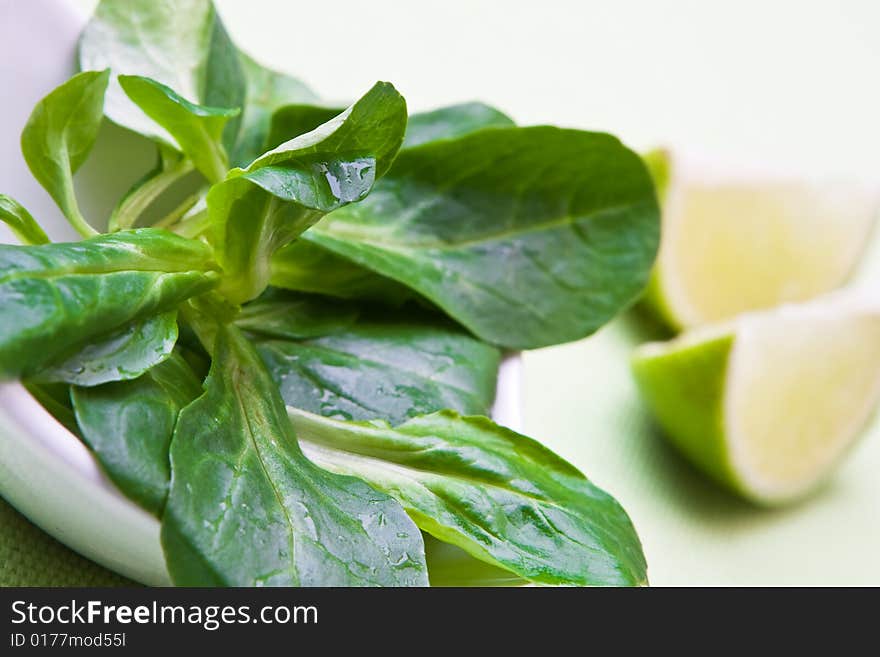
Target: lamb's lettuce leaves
x,y
247,508
294,120
526,236
500,496
180,44
21,222
375,125
117,356
453,121
197,129
56,299
387,365
286,316
267,91
257,210
60,134
128,425
306,267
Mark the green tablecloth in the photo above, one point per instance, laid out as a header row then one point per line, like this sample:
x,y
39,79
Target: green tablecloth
x,y
30,557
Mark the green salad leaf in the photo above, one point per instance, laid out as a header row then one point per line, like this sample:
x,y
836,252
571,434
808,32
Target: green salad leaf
x,y
387,365
56,299
267,91
293,120
60,134
117,356
500,496
286,316
20,221
373,126
181,44
453,121
196,128
128,425
246,507
306,267
258,210
526,236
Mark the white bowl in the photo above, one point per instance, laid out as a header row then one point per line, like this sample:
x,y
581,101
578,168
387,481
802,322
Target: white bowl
x,y
45,471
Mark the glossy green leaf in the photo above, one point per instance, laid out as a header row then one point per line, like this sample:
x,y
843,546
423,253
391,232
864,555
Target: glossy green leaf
x,y
181,44
503,498
372,127
128,425
452,121
197,129
306,267
444,123
386,365
527,236
248,223
57,298
285,316
246,507
60,134
267,90
118,356
260,209
292,121
20,221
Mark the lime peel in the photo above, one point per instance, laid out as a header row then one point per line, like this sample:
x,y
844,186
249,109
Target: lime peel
x,y
768,403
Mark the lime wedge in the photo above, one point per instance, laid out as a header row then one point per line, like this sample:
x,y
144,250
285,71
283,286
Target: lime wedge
x,y
731,246
768,403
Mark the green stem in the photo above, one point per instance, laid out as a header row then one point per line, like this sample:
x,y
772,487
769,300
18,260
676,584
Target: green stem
x,y
204,314
193,226
138,200
219,165
203,327
73,214
185,206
